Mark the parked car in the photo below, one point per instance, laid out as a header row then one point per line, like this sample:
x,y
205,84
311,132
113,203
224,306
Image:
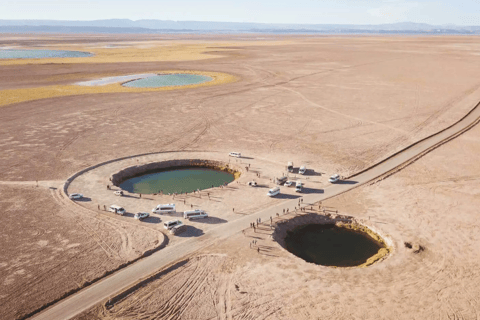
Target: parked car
x,y
252,183
172,223
195,214
117,209
290,166
235,154
164,208
280,180
302,170
334,178
299,186
141,215
76,196
289,183
118,193
178,229
273,192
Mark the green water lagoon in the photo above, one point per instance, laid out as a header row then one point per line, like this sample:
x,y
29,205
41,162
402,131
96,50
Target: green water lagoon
x,y
168,80
179,180
39,54
329,245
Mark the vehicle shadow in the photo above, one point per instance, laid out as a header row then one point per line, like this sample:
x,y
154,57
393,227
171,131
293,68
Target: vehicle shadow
x,y
346,182
212,220
311,190
248,158
84,199
152,219
127,214
127,196
286,196
311,172
191,232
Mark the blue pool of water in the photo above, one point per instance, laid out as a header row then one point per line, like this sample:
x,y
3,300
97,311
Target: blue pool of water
x,y
38,54
167,80
177,180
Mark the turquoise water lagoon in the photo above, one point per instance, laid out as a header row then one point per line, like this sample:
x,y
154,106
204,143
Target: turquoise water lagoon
x,y
41,54
168,80
177,180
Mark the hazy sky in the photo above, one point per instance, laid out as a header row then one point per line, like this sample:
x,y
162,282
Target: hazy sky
x,y
461,12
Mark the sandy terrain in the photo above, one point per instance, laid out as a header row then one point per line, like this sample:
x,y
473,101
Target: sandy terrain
x,y
334,104
47,245
431,203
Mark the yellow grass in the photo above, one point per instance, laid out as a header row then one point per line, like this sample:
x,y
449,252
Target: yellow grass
x,y
141,52
11,96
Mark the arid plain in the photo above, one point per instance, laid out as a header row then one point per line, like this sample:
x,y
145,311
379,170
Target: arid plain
x,y
336,104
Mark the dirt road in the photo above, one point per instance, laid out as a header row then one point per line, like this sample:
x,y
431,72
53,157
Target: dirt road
x,y
128,276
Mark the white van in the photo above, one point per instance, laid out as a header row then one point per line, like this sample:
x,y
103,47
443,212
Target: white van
x,y
195,214
299,186
302,170
117,209
290,166
235,154
273,192
164,208
172,223
178,229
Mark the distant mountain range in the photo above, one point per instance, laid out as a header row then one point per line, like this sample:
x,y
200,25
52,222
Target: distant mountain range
x,y
161,26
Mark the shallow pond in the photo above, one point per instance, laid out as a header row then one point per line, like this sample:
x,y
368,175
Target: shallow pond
x,y
167,80
329,245
177,180
37,54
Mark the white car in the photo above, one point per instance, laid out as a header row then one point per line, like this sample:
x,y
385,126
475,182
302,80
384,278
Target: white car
x,y
117,209
334,178
172,223
252,183
75,196
289,183
235,154
141,215
302,170
118,193
299,186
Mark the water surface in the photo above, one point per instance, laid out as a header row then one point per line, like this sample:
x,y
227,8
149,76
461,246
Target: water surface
x,y
167,80
177,180
330,245
38,54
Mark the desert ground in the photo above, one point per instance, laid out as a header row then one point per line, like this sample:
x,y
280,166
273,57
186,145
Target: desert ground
x,y
335,104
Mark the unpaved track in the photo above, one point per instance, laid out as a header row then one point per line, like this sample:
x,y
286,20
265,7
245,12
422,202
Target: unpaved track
x,y
106,288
